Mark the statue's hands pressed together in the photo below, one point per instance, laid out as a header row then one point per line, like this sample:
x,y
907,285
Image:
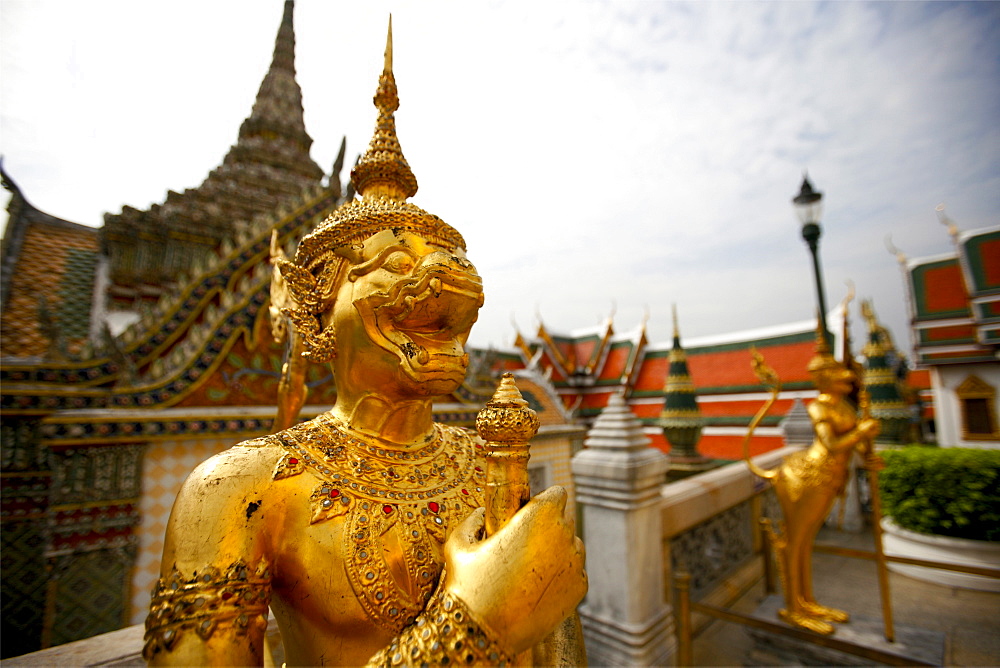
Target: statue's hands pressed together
x,y
868,428
523,580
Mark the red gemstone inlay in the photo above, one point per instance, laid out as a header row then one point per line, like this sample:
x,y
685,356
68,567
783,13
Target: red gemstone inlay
x,y
478,469
226,595
334,493
465,491
293,461
433,505
387,509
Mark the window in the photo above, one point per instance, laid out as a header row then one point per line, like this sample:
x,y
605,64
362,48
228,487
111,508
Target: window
x,y
977,400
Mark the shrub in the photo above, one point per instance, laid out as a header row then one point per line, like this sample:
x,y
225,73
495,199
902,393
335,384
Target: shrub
x,y
945,491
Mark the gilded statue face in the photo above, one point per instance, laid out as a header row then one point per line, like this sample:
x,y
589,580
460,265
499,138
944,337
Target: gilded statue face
x,y
408,304
835,379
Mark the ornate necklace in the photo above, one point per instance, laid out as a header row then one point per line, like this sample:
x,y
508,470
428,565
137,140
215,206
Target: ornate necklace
x,y
417,495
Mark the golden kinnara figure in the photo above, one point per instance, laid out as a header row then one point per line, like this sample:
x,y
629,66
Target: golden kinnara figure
x,y
807,482
362,529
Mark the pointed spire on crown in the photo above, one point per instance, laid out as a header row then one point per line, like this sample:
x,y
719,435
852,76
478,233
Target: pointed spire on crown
x,y
847,355
823,359
383,171
384,180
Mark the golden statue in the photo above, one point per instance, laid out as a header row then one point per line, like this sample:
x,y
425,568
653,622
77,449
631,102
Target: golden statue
x,y
807,482
363,529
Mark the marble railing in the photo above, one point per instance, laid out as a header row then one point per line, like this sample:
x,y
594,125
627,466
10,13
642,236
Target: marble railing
x,y
639,532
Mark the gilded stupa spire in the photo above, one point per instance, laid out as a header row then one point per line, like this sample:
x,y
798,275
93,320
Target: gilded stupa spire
x,y
383,171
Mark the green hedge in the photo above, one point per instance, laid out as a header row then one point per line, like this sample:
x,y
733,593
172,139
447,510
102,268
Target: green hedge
x,y
945,491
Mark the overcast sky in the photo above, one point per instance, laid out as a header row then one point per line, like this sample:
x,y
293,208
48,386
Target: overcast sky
x,y
597,156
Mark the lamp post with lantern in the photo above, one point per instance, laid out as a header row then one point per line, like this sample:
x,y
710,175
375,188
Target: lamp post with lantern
x,y
808,207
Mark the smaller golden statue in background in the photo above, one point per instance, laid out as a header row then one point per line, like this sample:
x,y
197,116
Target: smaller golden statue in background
x,y
807,482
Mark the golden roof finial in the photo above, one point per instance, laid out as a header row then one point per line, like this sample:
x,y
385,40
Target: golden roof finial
x,y
383,171
947,222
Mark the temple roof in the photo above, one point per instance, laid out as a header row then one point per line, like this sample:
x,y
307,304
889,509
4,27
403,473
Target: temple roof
x,y
49,266
717,367
269,165
955,300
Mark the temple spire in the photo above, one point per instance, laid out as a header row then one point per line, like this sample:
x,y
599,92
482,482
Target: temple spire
x,y
677,330
681,419
882,380
278,107
268,166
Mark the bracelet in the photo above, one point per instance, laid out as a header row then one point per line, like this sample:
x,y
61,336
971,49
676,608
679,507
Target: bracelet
x,y
444,634
237,597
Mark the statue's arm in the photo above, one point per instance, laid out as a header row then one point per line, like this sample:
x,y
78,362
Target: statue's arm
x,y
499,596
858,436
210,604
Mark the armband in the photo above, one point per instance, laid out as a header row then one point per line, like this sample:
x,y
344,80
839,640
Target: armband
x,y
208,600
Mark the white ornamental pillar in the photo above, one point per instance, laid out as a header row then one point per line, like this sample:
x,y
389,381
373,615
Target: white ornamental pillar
x,y
626,619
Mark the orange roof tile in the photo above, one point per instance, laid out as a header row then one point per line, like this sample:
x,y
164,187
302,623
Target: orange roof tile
x,y
614,365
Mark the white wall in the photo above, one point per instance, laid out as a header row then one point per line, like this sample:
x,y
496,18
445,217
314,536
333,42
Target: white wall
x,y
948,413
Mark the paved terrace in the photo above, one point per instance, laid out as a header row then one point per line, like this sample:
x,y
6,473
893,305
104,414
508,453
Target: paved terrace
x,y
970,619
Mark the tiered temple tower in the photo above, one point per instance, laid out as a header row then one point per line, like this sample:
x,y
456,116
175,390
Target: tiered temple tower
x,y
80,517
269,165
681,420
881,377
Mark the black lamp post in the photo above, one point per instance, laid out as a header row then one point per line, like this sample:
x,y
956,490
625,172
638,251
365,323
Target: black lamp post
x,y
808,207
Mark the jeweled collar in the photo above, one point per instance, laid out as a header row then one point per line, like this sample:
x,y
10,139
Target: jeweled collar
x,y
351,469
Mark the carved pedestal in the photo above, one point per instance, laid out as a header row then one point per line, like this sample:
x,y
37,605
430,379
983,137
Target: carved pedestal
x,y
626,620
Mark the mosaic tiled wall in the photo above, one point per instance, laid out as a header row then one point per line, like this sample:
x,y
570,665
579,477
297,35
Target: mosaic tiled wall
x,y
166,465
554,455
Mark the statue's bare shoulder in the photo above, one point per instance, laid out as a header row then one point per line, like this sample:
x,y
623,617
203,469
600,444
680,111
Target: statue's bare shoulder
x,y
217,516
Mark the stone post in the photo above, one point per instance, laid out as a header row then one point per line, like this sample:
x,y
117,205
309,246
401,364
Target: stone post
x,y
626,619
796,427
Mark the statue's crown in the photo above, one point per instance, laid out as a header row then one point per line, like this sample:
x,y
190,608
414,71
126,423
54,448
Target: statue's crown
x,y
823,359
384,180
